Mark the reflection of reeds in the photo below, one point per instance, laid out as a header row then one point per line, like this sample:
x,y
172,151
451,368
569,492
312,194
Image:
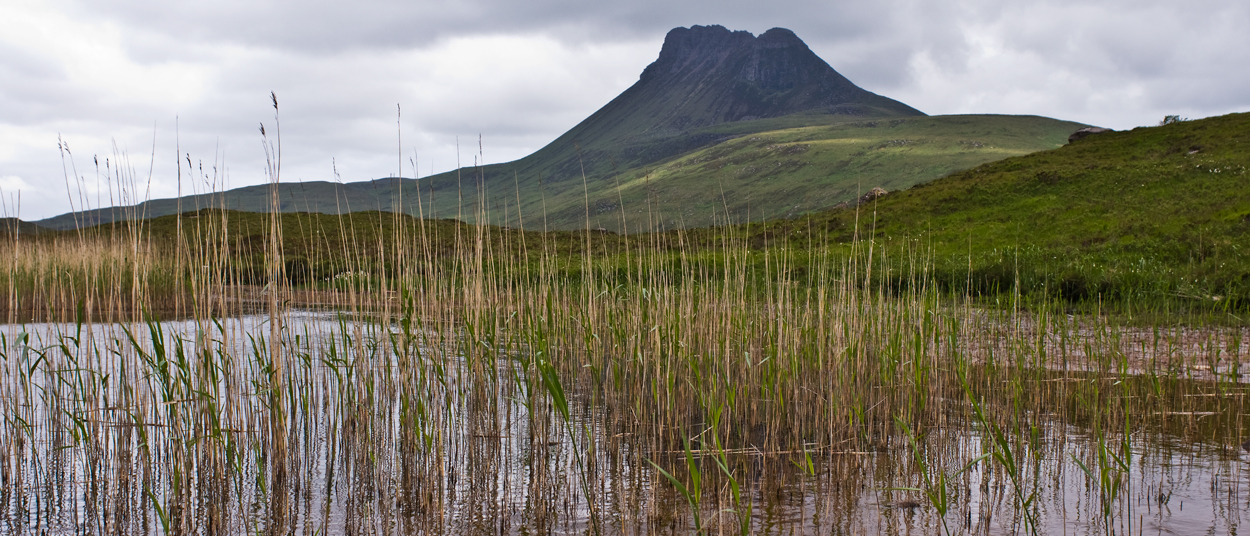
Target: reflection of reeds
x,y
460,353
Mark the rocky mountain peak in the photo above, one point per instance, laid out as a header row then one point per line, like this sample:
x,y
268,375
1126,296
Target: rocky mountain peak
x,y
708,47
780,37
697,47
710,74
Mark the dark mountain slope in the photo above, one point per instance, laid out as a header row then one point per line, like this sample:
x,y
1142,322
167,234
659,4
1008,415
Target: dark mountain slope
x,y
705,76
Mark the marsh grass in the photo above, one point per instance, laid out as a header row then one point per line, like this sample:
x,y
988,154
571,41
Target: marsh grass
x,y
480,379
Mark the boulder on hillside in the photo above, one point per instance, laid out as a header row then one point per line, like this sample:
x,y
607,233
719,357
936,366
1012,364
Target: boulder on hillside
x,y
1080,134
872,194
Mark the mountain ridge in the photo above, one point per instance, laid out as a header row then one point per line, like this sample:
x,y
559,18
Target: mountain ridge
x,y
707,86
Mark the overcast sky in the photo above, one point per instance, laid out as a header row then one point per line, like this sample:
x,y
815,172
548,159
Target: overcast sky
x,y
145,81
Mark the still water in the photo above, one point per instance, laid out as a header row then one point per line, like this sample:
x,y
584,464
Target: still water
x,y
170,428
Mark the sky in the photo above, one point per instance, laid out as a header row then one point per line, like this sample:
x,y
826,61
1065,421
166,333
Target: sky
x,y
108,101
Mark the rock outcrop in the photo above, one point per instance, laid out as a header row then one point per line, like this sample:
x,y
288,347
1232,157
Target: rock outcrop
x,y
1085,132
872,195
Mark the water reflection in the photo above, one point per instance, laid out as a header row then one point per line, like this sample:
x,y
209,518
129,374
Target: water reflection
x,y
168,428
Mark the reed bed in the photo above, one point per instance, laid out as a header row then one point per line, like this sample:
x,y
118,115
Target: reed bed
x,y
390,375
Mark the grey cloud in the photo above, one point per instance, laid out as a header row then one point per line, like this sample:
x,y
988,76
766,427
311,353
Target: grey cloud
x,y
335,25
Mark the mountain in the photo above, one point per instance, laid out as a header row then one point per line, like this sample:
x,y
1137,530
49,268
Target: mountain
x,y
709,86
708,75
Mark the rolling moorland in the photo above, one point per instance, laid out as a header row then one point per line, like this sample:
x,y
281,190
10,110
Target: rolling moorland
x,y
1155,216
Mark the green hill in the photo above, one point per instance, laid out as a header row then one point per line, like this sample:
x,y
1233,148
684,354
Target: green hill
x,y
1135,215
788,172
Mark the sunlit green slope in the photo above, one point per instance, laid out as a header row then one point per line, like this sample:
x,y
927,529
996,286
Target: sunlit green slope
x,y
784,173
1140,214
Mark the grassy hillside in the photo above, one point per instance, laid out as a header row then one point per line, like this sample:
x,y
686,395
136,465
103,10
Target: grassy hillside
x,y
791,171
768,168
1159,212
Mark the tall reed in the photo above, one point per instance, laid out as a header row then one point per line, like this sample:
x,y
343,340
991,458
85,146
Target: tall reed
x,y
477,378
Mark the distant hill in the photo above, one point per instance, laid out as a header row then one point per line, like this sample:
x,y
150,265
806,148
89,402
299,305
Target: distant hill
x,y
316,196
14,226
708,87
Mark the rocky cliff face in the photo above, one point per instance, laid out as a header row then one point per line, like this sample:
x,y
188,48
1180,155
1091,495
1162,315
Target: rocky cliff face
x,y
707,74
